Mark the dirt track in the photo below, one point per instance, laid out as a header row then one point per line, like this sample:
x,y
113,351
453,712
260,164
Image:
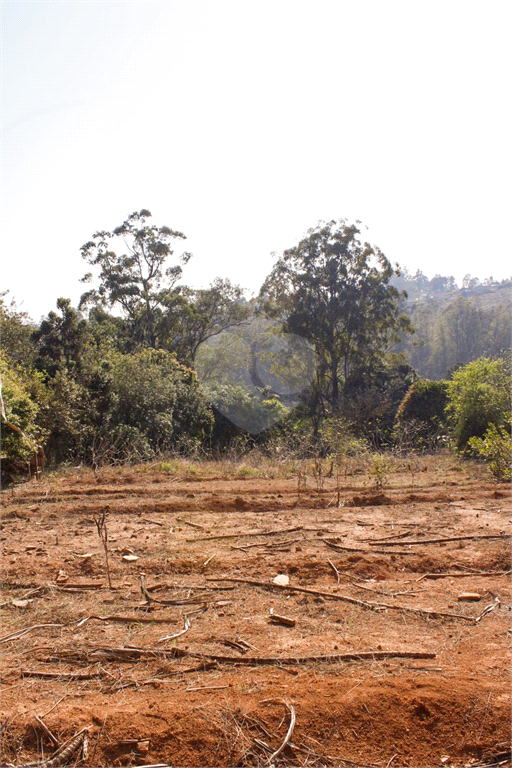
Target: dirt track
x,y
194,527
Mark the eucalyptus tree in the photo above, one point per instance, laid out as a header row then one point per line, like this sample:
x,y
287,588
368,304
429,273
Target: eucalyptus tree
x,y
136,280
334,290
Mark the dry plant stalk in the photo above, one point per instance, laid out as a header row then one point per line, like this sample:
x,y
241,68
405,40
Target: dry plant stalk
x,y
289,733
101,527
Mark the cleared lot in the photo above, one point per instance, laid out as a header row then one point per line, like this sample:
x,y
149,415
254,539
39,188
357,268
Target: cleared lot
x,y
374,653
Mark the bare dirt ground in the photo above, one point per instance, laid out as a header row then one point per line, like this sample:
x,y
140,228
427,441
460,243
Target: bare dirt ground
x,y
385,665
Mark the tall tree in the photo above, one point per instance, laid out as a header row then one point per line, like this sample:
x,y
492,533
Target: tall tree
x,y
137,280
60,339
194,316
334,290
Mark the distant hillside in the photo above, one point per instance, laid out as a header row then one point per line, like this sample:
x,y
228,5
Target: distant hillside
x,y
454,325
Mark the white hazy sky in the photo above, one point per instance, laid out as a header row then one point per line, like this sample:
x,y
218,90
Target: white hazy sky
x,y
243,123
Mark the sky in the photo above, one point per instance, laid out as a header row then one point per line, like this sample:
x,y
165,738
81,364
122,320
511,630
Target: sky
x,y
243,124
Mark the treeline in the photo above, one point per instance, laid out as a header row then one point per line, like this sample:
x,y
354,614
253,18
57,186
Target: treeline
x,y
145,365
454,326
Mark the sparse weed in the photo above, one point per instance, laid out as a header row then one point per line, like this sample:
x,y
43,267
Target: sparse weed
x,y
379,471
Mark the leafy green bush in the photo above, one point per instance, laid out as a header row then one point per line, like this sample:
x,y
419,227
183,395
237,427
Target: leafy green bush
x,y
478,396
22,393
496,448
156,402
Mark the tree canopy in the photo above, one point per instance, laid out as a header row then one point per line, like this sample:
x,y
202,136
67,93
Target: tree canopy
x,y
138,281
334,290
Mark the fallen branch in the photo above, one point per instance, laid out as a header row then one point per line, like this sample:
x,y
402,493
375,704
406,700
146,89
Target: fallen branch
x,y
438,541
132,654
316,593
253,533
352,600
462,575
61,675
339,548
22,632
129,619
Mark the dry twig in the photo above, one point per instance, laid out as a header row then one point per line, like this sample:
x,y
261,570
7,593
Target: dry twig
x,y
288,736
21,632
46,730
335,570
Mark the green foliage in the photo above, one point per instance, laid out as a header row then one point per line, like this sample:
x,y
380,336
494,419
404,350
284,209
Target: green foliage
x,y
478,396
335,291
454,327
15,332
421,417
379,471
249,409
22,394
496,448
60,340
198,315
156,407
137,281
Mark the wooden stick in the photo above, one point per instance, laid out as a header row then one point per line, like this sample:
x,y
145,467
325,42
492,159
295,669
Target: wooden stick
x,y
339,548
254,533
130,654
487,610
316,593
462,575
335,570
46,730
22,632
189,522
345,599
437,541
130,619
178,634
63,675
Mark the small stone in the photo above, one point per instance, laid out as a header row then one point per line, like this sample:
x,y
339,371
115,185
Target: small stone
x,y
130,558
20,603
281,580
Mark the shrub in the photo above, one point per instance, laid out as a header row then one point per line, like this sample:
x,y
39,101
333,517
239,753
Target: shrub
x,y
421,418
496,448
478,396
22,392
